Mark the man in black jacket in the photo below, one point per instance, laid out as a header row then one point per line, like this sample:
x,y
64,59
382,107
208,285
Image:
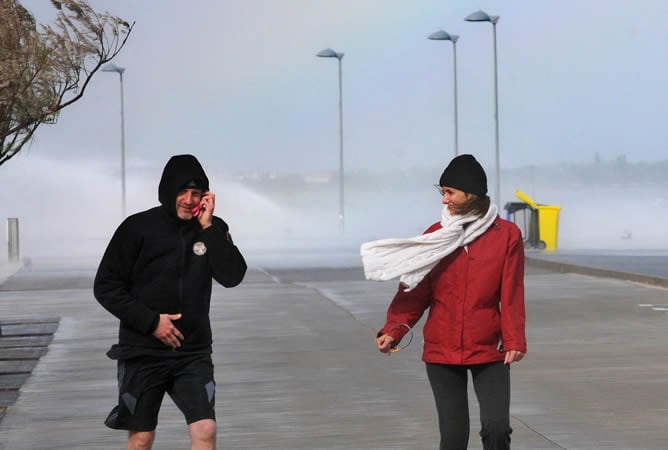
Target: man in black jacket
x,y
156,276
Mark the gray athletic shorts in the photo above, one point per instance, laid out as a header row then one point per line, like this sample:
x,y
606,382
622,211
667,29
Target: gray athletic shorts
x,y
143,381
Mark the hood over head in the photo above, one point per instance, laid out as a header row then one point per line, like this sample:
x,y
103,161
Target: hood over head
x,y
179,171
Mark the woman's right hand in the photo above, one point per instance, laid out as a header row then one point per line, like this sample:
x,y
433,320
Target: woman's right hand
x,y
384,343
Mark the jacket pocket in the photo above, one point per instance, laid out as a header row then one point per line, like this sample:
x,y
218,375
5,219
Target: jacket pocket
x,y
485,327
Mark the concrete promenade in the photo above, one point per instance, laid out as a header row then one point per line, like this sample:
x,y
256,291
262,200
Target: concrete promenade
x,y
297,368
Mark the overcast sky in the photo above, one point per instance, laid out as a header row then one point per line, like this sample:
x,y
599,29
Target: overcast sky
x,y
237,83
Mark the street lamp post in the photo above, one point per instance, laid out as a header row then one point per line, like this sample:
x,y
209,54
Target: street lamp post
x,y
329,53
119,70
444,36
481,16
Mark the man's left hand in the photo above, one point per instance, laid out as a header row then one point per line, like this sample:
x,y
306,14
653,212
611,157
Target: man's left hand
x,y
513,356
208,203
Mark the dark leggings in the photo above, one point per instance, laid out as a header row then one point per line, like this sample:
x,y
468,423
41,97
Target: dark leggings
x,y
492,388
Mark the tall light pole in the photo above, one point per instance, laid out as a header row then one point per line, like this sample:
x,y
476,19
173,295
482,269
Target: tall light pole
x,y
481,16
329,53
119,70
441,35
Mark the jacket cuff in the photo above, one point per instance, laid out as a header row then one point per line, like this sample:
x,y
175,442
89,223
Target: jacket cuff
x,y
397,333
154,324
514,346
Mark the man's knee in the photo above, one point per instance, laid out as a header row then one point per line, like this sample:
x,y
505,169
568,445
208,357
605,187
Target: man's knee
x,y
140,440
496,435
203,431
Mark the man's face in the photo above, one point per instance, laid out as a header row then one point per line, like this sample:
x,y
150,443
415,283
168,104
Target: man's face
x,y
455,199
186,200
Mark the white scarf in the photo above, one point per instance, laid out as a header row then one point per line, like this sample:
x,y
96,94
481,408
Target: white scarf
x,y
413,258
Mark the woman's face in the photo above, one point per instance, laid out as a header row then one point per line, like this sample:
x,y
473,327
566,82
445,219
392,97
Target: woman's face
x,y
454,199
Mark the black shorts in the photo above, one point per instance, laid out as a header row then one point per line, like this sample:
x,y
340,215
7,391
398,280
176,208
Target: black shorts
x,y
143,381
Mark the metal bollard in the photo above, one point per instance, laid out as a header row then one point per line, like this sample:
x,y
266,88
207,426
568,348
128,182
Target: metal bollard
x,y
13,239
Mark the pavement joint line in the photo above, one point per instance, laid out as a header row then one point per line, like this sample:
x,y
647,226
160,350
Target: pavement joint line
x,y
537,432
18,359
26,334
326,296
274,278
25,346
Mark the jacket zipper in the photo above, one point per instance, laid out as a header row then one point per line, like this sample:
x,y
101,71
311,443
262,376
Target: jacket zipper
x,y
181,270
463,308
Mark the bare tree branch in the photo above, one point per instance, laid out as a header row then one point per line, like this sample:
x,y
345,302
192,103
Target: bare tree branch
x,y
45,69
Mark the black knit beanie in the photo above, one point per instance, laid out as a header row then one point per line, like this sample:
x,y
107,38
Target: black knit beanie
x,y
466,174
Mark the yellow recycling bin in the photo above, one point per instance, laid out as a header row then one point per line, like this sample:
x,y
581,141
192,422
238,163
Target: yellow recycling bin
x,y
548,222
548,225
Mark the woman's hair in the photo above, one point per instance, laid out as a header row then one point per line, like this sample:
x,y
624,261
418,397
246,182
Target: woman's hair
x,y
477,205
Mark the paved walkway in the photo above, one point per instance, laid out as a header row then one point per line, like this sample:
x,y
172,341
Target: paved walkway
x,y
297,369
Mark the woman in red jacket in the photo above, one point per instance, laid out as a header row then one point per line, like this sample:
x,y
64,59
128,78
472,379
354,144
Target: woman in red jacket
x,y
468,270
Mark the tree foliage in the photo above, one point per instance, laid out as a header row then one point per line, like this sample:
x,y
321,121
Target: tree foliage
x,y
45,68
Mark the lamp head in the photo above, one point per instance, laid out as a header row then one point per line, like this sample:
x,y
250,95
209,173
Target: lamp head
x,y
113,68
481,16
441,35
329,53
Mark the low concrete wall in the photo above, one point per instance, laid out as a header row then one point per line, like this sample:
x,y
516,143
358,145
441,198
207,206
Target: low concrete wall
x,y
562,267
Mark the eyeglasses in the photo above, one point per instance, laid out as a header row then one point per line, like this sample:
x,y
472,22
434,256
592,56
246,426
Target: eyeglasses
x,y
439,189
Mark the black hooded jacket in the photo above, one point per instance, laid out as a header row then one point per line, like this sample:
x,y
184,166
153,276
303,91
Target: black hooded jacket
x,y
156,264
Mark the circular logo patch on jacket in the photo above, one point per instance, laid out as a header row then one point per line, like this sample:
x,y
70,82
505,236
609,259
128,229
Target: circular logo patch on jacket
x,y
199,248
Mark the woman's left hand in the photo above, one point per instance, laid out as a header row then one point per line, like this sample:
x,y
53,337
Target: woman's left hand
x,y
513,356
384,343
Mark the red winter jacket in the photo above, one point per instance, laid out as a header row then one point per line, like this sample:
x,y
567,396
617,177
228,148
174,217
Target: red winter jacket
x,y
475,298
